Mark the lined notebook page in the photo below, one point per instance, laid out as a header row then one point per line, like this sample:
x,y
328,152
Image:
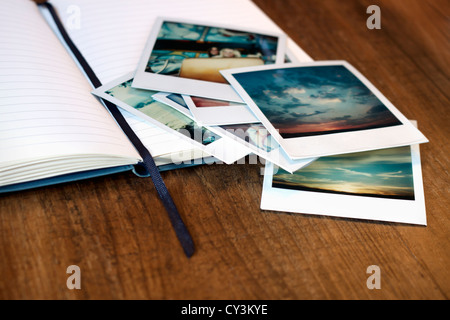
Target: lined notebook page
x,y
112,34
46,108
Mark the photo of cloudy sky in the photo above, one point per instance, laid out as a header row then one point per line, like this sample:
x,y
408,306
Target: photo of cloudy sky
x,y
306,101
383,173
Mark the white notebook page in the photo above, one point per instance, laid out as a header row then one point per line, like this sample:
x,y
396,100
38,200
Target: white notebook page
x,y
111,34
163,145
46,108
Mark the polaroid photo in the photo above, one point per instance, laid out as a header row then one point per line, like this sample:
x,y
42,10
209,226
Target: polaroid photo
x,y
185,56
258,139
141,104
210,112
322,108
384,185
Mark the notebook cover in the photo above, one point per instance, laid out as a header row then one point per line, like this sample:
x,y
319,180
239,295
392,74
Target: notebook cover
x,y
91,174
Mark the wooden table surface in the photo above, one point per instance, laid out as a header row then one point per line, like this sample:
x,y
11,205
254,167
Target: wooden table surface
x,y
117,231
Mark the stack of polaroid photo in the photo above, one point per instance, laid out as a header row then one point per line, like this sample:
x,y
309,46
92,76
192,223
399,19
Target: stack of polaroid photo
x,y
332,143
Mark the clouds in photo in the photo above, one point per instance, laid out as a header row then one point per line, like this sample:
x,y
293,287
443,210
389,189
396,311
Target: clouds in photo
x,y
315,100
386,172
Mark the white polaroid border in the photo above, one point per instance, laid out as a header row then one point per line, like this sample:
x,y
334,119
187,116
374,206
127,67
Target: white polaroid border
x,y
168,83
223,149
346,206
333,143
276,155
293,58
220,115
163,97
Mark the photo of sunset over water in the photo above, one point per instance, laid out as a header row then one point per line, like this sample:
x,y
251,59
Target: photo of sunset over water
x,y
383,173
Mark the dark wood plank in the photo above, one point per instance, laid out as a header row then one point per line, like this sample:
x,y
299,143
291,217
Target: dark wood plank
x,y
117,231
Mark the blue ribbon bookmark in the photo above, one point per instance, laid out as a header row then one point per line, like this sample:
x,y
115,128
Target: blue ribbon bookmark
x,y
148,163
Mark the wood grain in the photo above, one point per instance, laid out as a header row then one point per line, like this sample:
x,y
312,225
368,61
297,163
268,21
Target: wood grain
x,y
116,230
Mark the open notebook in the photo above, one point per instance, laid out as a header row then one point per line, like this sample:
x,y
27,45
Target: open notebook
x,y
51,128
